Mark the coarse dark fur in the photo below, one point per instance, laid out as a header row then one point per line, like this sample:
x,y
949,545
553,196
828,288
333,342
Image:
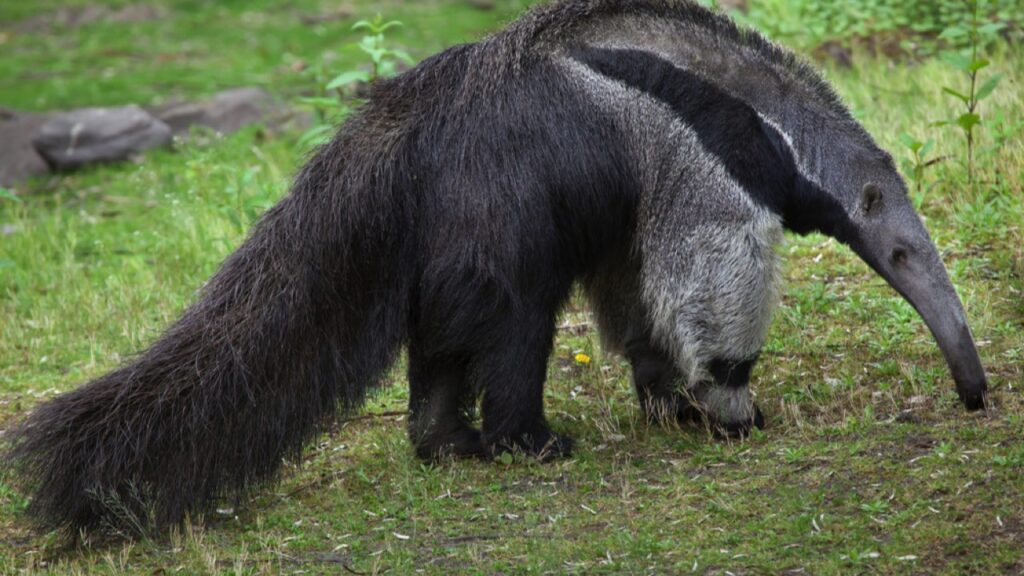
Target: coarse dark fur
x,y
452,213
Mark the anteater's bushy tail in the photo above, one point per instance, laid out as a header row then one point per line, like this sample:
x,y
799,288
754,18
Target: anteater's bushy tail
x,y
294,328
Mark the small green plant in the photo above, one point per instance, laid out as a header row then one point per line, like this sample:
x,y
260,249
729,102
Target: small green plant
x,y
878,507
970,63
893,27
340,99
859,557
11,499
943,449
8,195
1004,131
918,162
247,197
795,455
384,60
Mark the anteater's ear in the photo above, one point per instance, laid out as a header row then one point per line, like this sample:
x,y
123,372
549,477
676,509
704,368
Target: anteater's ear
x,y
870,198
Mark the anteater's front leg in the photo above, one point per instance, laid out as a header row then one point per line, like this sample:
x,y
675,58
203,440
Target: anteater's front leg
x,y
724,401
658,384
710,304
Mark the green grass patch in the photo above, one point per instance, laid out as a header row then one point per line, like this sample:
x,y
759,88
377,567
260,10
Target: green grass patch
x,y
868,464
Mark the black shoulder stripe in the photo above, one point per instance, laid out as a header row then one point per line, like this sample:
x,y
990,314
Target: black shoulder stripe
x,y
752,152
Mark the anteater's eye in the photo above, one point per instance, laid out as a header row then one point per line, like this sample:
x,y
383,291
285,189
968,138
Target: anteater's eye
x,y
899,256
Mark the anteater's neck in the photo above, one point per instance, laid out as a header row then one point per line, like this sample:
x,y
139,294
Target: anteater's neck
x,y
788,94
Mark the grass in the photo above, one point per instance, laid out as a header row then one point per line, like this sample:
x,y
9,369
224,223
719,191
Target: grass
x,y
197,47
868,463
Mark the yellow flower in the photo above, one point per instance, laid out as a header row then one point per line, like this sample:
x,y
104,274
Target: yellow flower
x,y
582,358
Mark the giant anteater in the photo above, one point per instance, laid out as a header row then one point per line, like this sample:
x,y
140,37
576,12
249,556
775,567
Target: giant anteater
x,y
649,149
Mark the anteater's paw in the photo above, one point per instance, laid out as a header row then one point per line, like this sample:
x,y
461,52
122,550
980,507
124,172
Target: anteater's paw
x,y
543,445
461,443
670,413
975,399
741,428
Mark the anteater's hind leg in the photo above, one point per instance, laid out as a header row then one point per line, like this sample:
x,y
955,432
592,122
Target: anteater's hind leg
x,y
471,339
440,400
510,374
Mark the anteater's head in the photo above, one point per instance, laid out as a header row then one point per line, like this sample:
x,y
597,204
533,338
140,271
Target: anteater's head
x,y
870,211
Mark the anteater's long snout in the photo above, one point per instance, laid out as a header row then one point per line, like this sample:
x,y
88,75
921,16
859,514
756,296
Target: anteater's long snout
x,y
899,248
938,304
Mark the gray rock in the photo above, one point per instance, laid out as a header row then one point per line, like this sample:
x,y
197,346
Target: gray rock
x,y
89,135
339,13
18,159
730,5
137,13
485,5
71,17
227,112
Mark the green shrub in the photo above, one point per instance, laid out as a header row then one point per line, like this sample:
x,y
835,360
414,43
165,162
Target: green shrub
x,y
914,27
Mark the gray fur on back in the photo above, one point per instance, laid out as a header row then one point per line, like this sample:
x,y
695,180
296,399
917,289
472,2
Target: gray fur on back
x,y
781,87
